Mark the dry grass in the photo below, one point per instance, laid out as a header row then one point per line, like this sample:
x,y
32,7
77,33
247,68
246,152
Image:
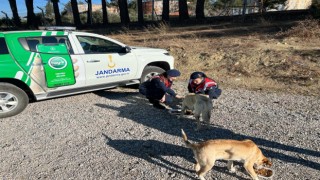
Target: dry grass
x,y
255,59
306,29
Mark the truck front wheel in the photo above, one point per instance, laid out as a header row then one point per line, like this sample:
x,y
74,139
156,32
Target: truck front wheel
x,y
150,71
13,100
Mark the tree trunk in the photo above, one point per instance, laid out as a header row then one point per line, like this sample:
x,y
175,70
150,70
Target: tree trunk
x,y
31,17
183,10
200,9
89,12
124,14
56,12
165,10
262,8
75,12
140,12
104,12
16,18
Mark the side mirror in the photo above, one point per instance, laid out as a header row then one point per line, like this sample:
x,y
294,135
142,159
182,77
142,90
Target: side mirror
x,y
126,49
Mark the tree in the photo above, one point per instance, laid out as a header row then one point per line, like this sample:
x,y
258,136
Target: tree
x,y
89,12
31,17
200,9
48,16
16,18
140,12
113,3
133,10
75,12
48,10
67,8
183,10
124,13
165,10
56,12
104,12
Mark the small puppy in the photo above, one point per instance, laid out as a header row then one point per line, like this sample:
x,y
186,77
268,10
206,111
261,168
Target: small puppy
x,y
200,104
207,152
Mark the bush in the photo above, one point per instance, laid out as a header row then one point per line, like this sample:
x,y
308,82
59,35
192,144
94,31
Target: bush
x,y
114,18
67,18
97,17
306,29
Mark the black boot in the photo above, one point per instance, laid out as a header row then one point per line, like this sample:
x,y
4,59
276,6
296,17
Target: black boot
x,y
152,101
158,105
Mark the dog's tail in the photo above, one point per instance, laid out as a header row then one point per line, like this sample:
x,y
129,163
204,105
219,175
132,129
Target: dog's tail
x,y
185,138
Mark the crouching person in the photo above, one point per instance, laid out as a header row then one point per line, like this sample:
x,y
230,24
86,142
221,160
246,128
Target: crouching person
x,y
199,83
158,89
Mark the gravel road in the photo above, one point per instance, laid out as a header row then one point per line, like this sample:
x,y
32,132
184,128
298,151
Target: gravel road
x,y
116,134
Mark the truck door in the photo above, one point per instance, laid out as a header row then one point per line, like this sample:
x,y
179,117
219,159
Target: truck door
x,y
105,61
57,64
24,49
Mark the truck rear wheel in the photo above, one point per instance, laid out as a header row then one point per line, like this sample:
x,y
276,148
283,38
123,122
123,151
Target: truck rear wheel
x,y
13,100
150,71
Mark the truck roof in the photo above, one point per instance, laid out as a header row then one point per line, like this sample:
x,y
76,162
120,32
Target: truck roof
x,y
40,32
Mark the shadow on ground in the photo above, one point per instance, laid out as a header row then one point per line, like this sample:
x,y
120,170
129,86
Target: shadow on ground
x,y
136,105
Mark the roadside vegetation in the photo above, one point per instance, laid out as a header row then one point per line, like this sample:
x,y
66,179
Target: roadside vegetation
x,y
281,56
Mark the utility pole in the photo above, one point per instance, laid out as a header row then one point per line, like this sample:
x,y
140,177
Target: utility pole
x,y
42,12
244,9
43,16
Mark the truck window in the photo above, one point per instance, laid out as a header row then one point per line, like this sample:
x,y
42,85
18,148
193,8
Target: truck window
x,y
3,47
49,40
94,45
31,43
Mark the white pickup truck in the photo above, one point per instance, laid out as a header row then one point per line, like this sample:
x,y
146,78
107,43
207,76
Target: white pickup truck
x,y
38,65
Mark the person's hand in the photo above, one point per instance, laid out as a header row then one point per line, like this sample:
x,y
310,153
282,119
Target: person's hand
x,y
163,99
179,97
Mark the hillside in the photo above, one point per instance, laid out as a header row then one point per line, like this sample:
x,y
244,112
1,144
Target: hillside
x,y
281,56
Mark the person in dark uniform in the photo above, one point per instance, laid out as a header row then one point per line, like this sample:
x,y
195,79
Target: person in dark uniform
x,y
158,88
199,83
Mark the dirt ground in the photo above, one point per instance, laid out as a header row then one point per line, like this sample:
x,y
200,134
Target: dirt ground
x,y
271,56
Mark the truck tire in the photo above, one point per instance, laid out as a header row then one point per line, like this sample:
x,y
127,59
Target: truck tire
x,y
150,71
13,100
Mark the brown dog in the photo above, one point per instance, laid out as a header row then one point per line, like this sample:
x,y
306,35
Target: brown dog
x,y
200,104
207,152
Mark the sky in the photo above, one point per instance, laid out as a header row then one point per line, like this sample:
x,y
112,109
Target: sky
x,y
22,10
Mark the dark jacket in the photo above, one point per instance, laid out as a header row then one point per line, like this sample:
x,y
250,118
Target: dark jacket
x,y
157,87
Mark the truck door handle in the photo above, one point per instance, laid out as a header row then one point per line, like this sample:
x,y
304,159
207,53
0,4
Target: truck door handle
x,y
93,61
